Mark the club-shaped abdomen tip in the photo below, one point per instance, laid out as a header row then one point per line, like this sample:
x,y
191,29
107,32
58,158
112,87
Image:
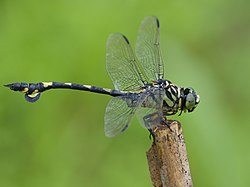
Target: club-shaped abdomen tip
x,y
32,97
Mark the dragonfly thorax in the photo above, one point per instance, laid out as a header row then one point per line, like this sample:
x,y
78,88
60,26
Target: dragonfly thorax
x,y
172,98
177,98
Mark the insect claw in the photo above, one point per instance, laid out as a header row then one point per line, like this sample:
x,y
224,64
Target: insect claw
x,y
151,135
165,122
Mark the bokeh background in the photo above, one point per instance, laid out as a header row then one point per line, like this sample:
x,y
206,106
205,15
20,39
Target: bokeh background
x,y
59,141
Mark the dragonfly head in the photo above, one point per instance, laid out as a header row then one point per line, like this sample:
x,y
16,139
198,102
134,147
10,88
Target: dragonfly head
x,y
190,100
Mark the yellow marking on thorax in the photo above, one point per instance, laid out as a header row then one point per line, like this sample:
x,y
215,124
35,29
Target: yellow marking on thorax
x,y
179,93
180,103
170,91
168,101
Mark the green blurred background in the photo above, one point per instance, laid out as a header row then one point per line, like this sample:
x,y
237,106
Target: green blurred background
x,y
59,141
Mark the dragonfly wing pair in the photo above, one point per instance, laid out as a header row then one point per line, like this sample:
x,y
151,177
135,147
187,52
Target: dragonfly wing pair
x,y
132,73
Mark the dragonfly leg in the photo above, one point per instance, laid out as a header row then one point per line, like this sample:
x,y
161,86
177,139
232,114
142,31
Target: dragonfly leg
x,y
165,122
151,135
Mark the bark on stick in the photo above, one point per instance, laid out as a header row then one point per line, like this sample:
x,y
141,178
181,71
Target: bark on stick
x,y
167,157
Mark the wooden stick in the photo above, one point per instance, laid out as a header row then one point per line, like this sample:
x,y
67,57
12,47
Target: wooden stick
x,y
167,157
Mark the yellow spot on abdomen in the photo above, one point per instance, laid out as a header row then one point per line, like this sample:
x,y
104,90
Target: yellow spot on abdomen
x,y
87,86
107,90
68,83
46,84
25,90
35,92
33,95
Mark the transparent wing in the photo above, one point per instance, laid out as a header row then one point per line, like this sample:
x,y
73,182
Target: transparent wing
x,y
119,113
148,48
150,112
148,117
121,64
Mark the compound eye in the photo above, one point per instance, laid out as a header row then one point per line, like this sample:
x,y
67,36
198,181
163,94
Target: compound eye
x,y
190,101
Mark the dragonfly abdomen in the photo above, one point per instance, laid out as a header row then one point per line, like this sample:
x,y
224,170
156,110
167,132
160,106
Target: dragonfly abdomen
x,y
33,90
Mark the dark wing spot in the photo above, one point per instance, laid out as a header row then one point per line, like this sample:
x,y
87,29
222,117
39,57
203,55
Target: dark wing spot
x,y
157,22
125,38
124,128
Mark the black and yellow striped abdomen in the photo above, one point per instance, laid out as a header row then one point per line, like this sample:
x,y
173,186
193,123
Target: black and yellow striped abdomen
x,y
33,90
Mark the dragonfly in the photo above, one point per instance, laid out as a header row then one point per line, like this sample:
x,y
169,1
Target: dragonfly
x,y
138,78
